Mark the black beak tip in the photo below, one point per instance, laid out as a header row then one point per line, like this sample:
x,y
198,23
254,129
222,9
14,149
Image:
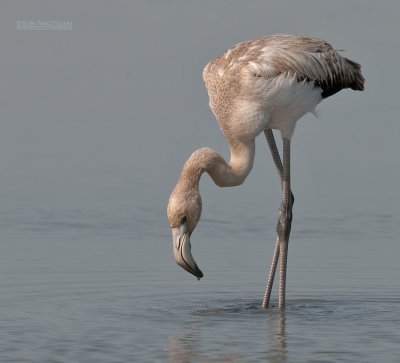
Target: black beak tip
x,y
197,273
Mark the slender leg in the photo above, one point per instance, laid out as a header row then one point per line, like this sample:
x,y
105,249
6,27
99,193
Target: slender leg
x,y
279,168
284,222
269,135
271,276
275,156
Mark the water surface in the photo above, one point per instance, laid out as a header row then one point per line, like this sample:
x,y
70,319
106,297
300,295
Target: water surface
x,y
82,286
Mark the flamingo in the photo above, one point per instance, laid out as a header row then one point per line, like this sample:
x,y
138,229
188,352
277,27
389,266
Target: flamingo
x,y
256,86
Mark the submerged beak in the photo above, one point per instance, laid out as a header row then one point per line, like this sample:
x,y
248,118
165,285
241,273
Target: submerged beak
x,y
183,255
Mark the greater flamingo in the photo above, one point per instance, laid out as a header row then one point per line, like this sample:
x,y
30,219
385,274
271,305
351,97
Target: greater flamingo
x,y
256,86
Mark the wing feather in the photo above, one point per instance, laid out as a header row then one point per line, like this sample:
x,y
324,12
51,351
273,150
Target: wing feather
x,y
312,59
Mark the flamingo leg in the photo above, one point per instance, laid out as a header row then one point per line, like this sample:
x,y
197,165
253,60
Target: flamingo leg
x,y
279,168
271,276
269,135
284,222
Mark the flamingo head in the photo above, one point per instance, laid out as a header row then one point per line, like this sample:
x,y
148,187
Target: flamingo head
x,y
184,210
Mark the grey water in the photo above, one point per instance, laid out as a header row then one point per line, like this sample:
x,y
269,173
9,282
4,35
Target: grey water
x,y
96,123
89,286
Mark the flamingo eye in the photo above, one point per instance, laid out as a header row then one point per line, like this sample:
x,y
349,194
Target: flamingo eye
x,y
184,219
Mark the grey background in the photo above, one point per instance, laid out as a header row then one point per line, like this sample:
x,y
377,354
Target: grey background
x,y
116,105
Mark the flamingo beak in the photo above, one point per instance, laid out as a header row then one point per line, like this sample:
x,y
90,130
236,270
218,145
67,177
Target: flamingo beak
x,y
182,250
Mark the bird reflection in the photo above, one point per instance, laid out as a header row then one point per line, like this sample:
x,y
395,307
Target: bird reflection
x,y
276,323
181,348
186,347
194,343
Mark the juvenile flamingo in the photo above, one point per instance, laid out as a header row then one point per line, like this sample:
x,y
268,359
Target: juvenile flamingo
x,y
256,86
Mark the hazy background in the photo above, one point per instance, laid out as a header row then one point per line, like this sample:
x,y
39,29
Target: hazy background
x,y
97,121
115,106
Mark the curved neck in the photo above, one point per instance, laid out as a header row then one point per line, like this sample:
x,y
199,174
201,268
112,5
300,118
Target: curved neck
x,y
222,173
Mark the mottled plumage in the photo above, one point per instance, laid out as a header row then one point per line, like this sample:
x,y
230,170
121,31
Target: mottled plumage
x,y
286,75
311,59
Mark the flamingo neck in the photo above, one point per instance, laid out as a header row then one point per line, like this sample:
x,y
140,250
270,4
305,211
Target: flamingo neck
x,y
222,173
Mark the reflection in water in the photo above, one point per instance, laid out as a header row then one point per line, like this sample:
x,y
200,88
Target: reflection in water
x,y
237,332
276,323
186,347
181,347
189,343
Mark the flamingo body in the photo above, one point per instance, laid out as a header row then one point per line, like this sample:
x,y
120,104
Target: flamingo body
x,y
258,85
